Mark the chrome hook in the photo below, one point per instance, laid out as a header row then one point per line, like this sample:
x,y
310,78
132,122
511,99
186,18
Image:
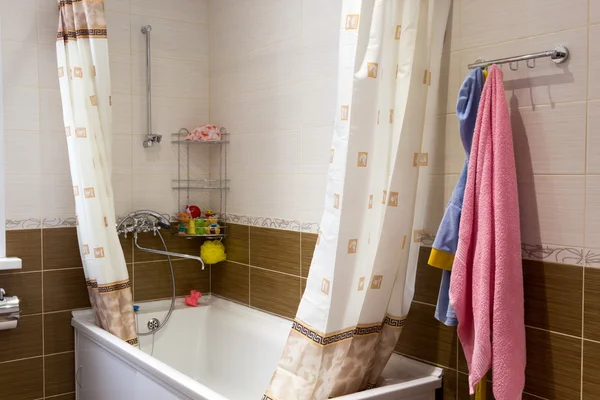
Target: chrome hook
x,y
510,65
532,65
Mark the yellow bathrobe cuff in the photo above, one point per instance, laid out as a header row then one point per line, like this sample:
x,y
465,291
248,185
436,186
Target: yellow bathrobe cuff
x,y
441,259
481,389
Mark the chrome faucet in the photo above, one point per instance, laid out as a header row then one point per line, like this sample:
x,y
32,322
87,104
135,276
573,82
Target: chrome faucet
x,y
149,221
2,293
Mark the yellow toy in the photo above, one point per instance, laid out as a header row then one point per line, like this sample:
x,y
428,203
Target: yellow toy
x,y
212,252
191,230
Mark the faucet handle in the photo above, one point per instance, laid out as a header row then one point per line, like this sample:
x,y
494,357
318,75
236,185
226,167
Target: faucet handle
x,y
2,293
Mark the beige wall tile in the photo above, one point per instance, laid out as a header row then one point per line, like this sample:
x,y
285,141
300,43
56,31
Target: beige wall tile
x,y
177,38
592,212
594,56
552,209
440,191
593,138
486,22
547,83
195,11
550,139
448,155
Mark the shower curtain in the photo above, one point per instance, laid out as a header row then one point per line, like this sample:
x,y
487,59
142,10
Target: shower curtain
x,y
84,79
361,280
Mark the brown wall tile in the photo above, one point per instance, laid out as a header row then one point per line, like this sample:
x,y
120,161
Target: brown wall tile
x,y
28,287
463,388
68,396
24,341
190,276
232,281
58,332
274,292
592,304
309,241
61,248
449,383
553,365
237,244
425,338
60,373
153,280
591,377
553,294
27,245
275,249
174,243
127,246
22,380
65,290
427,285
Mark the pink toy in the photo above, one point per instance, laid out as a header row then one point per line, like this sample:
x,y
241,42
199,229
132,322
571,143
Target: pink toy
x,y
192,299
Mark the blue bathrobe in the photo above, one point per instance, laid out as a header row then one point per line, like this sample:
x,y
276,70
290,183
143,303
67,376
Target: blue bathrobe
x,y
446,240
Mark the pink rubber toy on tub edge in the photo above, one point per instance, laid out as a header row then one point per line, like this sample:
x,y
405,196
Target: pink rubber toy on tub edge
x,y
192,299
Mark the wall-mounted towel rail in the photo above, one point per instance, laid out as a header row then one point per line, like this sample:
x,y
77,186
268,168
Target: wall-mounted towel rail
x,y
558,55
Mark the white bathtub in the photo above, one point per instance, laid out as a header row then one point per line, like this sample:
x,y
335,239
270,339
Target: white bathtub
x,y
218,351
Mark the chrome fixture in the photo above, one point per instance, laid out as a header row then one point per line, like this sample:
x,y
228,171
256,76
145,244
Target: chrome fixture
x,y
559,55
150,221
151,138
9,307
153,324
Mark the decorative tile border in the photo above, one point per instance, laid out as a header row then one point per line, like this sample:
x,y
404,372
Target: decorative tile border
x,y
538,252
276,223
28,223
555,253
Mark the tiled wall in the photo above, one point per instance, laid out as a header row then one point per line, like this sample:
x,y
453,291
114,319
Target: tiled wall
x,y
36,358
273,79
555,116
266,269
38,177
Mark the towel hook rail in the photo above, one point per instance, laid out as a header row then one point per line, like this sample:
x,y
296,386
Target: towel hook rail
x,y
558,55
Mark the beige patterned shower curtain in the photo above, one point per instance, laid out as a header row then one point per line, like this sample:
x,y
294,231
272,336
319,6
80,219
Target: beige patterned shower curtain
x,y
361,280
84,78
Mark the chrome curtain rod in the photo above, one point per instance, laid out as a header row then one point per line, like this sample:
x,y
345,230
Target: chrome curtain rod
x,y
558,55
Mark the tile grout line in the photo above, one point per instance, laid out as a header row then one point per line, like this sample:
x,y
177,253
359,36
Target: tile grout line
x,y
585,166
43,310
249,272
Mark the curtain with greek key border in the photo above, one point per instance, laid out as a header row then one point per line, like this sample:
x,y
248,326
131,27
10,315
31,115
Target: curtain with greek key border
x,y
84,78
362,276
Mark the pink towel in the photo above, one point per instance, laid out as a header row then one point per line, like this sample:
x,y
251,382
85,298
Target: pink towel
x,y
486,290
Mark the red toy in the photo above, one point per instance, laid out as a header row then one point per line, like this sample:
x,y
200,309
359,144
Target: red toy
x,y
194,211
